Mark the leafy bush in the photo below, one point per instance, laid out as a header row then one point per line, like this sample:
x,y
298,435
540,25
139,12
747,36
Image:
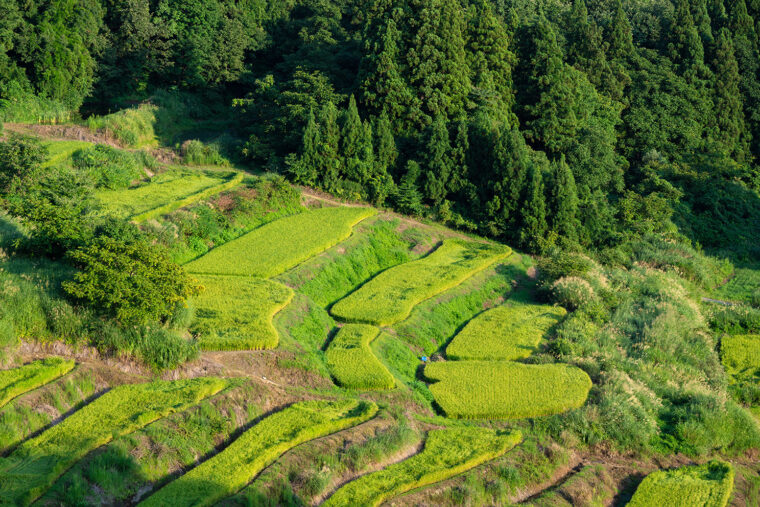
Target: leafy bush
x,y
352,363
447,452
709,485
20,158
572,292
230,470
109,167
194,152
26,378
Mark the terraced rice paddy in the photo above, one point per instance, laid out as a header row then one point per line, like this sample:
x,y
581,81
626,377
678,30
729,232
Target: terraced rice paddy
x,y
740,355
280,245
235,313
505,389
17,381
708,485
743,287
35,464
353,364
447,452
390,296
504,333
234,467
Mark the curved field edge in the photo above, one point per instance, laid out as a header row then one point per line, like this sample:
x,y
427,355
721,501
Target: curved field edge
x,y
708,485
17,381
278,246
391,296
229,471
352,363
236,313
505,389
447,452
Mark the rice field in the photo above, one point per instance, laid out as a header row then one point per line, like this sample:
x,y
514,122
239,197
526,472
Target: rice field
x,y
280,245
506,389
230,470
17,381
352,363
504,333
390,296
740,355
35,464
447,452
708,485
743,287
235,313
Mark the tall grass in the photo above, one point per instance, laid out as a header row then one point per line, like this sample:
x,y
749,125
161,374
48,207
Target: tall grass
x,y
133,128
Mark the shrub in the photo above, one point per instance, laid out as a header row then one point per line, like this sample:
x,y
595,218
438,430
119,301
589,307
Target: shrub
x,y
195,152
353,364
109,167
572,292
709,485
559,264
26,378
155,346
20,158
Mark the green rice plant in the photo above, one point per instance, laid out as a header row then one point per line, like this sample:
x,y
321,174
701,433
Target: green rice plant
x,y
740,355
506,333
743,287
390,296
280,245
235,313
506,389
708,485
17,381
447,452
34,466
352,363
229,471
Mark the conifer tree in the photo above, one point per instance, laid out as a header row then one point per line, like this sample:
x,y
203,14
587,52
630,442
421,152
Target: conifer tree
x,y
748,59
686,48
564,198
728,99
459,169
304,170
330,165
438,162
408,197
386,151
701,15
621,36
533,214
352,131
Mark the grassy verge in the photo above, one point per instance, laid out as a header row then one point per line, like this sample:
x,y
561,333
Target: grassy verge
x,y
233,468
709,485
235,313
352,363
506,390
280,245
447,453
31,376
34,466
391,295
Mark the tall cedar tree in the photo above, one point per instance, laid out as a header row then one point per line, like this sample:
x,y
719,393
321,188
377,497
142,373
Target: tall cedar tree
x,y
438,162
564,202
330,163
729,108
304,170
533,233
746,46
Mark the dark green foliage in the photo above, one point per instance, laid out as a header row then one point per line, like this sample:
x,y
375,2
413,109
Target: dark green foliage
x,y
108,167
20,158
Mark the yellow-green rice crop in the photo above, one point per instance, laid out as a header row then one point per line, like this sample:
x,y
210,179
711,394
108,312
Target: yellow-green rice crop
x,y
506,332
506,389
740,355
390,296
235,313
234,467
59,151
708,485
352,363
31,376
36,464
280,245
447,453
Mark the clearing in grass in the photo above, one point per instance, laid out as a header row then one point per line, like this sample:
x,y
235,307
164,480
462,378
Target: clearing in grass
x,y
31,376
235,313
506,389
34,466
390,296
280,245
447,452
229,471
352,363
708,485
506,333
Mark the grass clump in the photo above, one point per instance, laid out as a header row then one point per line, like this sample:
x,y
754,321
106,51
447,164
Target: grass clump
x,y
352,363
35,465
390,296
708,485
235,313
506,333
234,467
195,152
283,244
447,453
506,390
17,381
109,167
131,127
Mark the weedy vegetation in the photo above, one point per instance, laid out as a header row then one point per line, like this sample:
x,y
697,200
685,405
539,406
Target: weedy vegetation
x,y
352,363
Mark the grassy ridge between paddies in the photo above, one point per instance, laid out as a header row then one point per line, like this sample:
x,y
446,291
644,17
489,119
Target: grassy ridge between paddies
x,y
390,296
506,333
447,453
229,471
235,313
352,363
506,389
280,245
25,378
34,466
164,189
708,485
